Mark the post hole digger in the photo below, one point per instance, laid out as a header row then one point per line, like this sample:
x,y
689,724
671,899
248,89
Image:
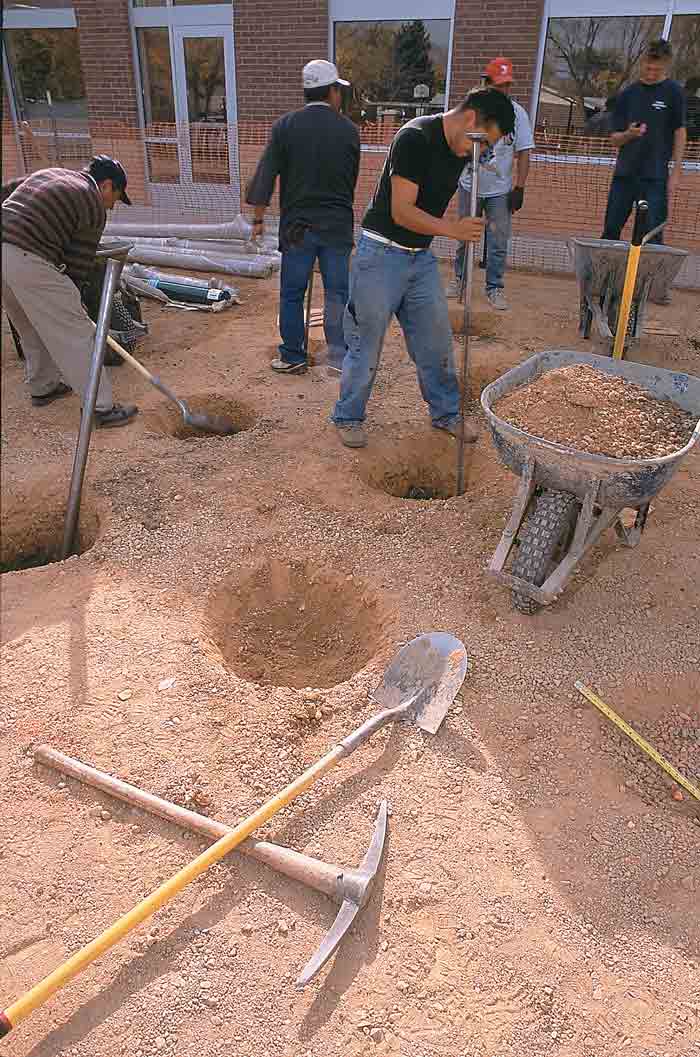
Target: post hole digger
x,y
420,684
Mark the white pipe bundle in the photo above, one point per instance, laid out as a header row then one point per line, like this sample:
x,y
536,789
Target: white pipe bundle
x,y
254,267
235,229
225,247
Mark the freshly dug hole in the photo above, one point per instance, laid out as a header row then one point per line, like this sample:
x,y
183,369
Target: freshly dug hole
x,y
413,482
295,623
32,532
170,420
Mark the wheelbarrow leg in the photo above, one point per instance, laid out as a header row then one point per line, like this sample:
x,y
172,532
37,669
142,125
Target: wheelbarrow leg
x,y
522,501
630,537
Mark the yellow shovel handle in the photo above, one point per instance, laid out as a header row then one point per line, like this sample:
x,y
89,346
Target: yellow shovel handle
x,y
39,994
626,302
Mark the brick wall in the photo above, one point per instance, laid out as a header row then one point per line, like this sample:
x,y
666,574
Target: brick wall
x,y
11,166
106,57
498,27
274,39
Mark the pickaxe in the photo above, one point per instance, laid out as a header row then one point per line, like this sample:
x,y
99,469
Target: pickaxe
x,y
419,686
351,887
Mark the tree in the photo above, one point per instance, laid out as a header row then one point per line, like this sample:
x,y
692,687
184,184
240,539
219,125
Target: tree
x,y
413,62
44,60
599,55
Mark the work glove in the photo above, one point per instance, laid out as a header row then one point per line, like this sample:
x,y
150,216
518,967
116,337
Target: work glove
x,y
294,234
516,197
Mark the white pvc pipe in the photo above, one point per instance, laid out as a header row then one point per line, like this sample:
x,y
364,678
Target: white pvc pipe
x,y
255,267
223,247
235,229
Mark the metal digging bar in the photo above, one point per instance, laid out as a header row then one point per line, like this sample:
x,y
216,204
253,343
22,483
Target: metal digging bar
x,y
465,296
349,886
116,258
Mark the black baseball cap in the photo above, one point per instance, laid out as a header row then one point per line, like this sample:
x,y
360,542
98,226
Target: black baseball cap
x,y
102,167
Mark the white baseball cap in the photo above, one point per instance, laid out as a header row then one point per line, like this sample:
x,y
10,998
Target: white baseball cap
x,y
320,73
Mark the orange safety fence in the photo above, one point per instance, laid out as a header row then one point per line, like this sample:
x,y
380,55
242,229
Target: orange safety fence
x,y
199,171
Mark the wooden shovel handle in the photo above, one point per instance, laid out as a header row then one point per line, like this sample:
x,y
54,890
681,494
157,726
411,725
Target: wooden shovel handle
x,y
116,347
42,991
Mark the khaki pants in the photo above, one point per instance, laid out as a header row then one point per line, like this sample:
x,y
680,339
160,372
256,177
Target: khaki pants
x,y
56,334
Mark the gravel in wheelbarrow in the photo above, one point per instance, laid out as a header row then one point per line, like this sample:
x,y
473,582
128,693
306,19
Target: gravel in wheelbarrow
x,y
602,414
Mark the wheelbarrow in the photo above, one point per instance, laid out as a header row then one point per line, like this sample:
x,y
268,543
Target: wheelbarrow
x,y
600,267
568,498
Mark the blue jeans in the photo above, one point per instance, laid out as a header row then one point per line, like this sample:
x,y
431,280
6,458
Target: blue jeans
x,y
498,232
297,266
624,192
386,281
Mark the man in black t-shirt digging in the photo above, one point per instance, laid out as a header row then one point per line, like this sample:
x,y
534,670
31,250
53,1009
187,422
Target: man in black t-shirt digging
x,y
649,124
394,271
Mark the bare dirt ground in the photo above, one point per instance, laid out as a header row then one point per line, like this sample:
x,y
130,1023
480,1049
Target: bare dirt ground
x,y
237,600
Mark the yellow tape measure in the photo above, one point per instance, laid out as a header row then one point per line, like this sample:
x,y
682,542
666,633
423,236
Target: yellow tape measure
x,y
638,740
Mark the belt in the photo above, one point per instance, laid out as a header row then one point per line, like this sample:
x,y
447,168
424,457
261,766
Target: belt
x,y
394,245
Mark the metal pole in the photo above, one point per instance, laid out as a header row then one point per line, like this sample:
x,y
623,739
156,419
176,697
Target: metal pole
x,y
112,274
466,297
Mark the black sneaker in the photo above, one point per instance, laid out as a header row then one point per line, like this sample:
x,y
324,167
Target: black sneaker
x,y
118,415
48,398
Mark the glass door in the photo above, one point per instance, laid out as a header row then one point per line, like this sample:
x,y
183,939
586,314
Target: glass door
x,y
204,69
189,109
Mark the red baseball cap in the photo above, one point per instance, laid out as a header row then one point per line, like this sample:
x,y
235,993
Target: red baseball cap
x,y
499,71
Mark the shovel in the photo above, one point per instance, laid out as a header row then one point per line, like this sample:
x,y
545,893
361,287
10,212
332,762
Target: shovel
x,y
420,684
220,424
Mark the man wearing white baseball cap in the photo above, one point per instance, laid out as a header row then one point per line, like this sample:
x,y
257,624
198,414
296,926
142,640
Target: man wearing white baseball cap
x,y
315,152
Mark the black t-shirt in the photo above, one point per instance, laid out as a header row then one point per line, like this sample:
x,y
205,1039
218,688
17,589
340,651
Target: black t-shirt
x,y
419,153
316,154
661,107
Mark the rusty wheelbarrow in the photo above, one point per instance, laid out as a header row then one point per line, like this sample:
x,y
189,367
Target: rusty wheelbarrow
x,y
567,498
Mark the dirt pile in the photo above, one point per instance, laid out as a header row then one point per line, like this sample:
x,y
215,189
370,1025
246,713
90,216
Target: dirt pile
x,y
598,413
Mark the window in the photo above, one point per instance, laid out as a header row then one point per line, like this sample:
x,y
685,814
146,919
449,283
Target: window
x,y
685,40
156,75
397,70
46,74
35,5
586,62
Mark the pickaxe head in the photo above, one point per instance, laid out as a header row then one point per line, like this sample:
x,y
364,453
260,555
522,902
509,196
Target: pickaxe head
x,y
354,888
425,676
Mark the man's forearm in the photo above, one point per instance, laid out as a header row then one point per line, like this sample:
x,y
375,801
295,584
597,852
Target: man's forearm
x,y
414,219
680,141
522,168
618,139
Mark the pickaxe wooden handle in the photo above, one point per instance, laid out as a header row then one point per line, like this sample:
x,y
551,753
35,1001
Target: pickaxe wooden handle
x,y
349,887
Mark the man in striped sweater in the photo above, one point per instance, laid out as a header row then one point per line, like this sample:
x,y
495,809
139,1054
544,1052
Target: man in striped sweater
x,y
52,222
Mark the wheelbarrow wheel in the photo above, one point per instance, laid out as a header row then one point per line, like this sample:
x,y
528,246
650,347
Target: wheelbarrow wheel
x,y
544,540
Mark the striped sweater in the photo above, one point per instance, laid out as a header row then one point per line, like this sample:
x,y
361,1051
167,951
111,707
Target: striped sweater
x,y
56,214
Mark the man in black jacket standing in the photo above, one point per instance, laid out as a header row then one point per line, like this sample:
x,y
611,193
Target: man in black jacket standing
x,y
315,152
649,130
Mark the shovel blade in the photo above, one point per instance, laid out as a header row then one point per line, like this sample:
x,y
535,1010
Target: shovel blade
x,y
429,671
218,424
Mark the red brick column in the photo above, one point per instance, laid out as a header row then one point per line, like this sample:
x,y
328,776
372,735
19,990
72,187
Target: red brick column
x,y
274,39
11,162
106,57
498,27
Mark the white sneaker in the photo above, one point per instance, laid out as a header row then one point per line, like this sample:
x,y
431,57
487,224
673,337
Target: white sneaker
x,y
453,289
497,299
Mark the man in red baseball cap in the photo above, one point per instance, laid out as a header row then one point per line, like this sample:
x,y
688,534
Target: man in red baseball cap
x,y
502,175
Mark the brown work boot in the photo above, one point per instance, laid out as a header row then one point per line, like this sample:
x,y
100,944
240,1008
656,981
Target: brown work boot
x,y
352,435
452,426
